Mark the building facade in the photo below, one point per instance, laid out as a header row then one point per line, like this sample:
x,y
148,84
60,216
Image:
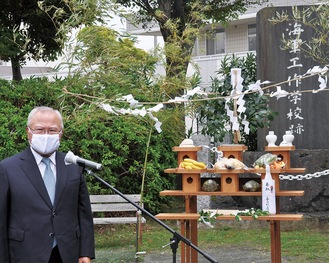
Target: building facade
x,y
238,38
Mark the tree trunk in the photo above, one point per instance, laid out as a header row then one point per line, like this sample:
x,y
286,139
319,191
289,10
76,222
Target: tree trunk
x,y
16,69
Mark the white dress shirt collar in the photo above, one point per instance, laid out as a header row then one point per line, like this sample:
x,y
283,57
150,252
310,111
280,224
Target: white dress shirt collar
x,y
38,157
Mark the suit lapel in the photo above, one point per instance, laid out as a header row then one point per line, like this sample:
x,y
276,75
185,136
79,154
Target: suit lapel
x,y
32,171
61,176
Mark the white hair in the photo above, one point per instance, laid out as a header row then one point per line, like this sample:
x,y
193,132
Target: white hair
x,y
43,109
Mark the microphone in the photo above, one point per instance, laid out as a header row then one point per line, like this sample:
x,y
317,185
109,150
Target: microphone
x,y
71,158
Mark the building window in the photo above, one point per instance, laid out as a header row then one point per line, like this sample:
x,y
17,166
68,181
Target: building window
x,y
252,37
216,44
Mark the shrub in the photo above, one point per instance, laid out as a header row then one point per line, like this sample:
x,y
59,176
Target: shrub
x,y
118,142
213,116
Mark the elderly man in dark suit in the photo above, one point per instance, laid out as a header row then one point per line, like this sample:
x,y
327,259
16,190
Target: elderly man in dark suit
x,y
45,213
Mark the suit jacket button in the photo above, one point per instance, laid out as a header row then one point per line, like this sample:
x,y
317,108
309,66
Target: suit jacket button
x,y
51,235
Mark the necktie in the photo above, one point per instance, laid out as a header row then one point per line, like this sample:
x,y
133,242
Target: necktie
x,y
49,179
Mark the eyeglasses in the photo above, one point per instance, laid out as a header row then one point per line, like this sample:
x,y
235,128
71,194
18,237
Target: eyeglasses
x,y
51,131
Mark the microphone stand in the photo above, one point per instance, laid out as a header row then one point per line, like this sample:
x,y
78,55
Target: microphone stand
x,y
176,236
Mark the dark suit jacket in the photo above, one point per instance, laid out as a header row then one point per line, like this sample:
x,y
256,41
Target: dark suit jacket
x,y
28,220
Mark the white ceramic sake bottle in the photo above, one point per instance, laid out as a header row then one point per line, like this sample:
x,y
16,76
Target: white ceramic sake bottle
x,y
271,138
268,192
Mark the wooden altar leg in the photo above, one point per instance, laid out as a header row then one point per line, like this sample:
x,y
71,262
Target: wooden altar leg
x,y
194,229
275,242
194,239
183,233
189,229
276,236
188,236
185,249
278,241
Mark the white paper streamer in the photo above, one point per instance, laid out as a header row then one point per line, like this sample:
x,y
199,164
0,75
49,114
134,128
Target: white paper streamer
x,y
136,112
236,93
157,122
238,96
129,98
279,93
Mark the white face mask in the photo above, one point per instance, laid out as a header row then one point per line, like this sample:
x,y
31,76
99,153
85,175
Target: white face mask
x,y
45,143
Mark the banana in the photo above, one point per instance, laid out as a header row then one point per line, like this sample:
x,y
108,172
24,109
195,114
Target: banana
x,y
189,163
199,165
189,160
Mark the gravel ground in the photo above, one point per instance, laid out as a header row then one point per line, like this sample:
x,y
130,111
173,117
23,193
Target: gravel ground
x,y
221,254
227,255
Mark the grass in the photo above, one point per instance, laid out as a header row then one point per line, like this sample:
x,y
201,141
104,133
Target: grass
x,y
117,243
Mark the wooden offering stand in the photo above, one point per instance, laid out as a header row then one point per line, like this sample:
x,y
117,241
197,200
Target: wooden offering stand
x,y
229,185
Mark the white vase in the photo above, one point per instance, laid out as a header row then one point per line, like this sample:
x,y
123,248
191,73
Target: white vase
x,y
271,138
288,138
